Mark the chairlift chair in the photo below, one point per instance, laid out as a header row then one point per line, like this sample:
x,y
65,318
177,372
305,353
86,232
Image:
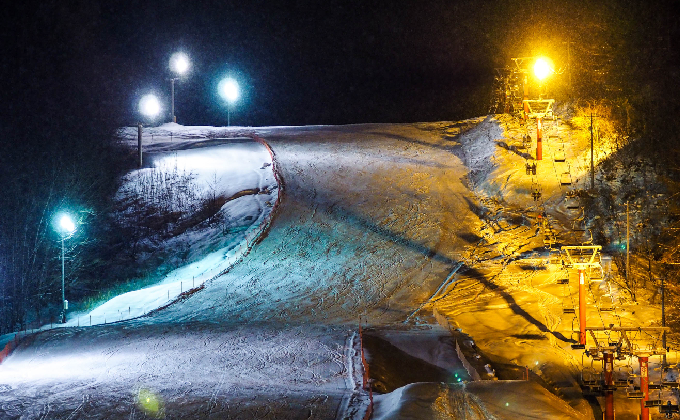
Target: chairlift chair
x,y
535,191
565,178
634,394
589,376
530,168
606,303
669,409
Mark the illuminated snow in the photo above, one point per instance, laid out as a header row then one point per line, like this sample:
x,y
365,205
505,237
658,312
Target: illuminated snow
x,y
387,222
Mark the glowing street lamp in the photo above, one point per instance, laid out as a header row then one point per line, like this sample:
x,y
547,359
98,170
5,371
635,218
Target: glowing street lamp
x,y
542,68
150,107
179,64
228,89
66,227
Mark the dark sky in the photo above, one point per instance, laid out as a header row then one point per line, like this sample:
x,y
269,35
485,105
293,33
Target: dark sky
x,y
299,62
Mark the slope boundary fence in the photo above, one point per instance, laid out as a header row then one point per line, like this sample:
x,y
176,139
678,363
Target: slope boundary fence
x,y
251,239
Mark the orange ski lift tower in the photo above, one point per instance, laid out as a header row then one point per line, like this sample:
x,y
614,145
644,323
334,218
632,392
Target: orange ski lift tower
x,y
624,347
581,258
539,109
542,67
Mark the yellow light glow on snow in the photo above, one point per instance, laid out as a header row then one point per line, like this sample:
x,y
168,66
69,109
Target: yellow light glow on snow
x,y
150,402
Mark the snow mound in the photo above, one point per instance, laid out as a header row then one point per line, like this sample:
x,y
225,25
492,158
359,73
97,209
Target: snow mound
x,y
473,401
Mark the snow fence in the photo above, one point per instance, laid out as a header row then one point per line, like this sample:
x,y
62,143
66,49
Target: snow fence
x,y
178,295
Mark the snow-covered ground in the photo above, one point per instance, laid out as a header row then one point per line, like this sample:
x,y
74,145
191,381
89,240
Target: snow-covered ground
x,y
390,223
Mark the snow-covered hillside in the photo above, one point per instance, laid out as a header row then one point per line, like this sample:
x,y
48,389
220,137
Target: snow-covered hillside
x,y
423,231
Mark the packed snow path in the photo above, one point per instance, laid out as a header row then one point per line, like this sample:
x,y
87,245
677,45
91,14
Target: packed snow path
x,y
372,220
374,217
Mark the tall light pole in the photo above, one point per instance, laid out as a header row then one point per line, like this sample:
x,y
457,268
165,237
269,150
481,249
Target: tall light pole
x,y
148,107
66,228
542,69
179,64
228,89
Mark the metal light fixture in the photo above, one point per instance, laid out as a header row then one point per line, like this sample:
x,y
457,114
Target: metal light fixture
x,y
228,89
150,107
66,228
179,64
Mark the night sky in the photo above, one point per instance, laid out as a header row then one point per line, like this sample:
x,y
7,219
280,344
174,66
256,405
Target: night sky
x,y
299,62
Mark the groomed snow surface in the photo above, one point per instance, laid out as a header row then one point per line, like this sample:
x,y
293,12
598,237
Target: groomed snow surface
x,y
390,223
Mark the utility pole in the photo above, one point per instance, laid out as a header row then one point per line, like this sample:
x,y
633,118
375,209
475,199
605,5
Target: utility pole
x,y
139,143
571,86
663,320
63,297
172,94
539,139
592,160
628,246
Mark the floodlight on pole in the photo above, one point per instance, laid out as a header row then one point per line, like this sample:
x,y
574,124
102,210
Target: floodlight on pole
x,y
542,68
66,228
179,64
150,107
228,89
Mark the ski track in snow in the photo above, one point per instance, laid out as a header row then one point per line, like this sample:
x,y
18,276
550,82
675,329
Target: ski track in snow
x,y
378,221
357,233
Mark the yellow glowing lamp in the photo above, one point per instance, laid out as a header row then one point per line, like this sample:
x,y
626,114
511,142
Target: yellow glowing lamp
x,y
542,68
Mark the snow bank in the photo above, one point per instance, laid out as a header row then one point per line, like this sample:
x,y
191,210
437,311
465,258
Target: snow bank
x,y
476,400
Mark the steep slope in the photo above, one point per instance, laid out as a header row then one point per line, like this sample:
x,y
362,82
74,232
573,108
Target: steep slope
x,y
383,222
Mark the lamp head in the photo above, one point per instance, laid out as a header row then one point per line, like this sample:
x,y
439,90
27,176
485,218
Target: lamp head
x,y
228,89
543,68
149,106
66,225
179,63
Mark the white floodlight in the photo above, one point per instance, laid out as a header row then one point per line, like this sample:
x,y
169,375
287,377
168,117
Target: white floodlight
x,y
228,89
179,63
67,227
66,224
149,106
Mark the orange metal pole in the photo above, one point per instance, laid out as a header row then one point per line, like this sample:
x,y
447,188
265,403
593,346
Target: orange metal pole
x,y
582,307
526,96
609,382
539,140
644,386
